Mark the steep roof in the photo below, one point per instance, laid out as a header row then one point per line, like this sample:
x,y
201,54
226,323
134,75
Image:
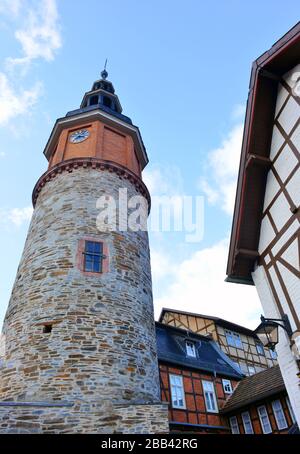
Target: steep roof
x,y
171,348
254,388
266,73
218,321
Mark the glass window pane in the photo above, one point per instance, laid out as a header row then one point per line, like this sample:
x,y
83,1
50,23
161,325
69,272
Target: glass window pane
x,y
264,419
89,246
234,425
279,415
97,248
247,423
96,265
88,266
177,391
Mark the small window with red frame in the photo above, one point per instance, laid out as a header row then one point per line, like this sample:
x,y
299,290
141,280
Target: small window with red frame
x,y
93,257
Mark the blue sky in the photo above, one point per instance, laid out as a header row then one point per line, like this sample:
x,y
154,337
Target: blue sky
x,y
181,70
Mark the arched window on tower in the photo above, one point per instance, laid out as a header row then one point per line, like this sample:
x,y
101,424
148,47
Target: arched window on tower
x,y
94,100
107,102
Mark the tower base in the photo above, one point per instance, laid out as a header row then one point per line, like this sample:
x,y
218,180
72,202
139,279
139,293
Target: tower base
x,y
83,418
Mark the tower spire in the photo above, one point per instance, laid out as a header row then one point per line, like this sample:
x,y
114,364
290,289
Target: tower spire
x,y
104,73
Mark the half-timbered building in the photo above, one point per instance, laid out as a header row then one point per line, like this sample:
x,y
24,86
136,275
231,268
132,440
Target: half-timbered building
x,y
265,239
238,342
196,378
260,405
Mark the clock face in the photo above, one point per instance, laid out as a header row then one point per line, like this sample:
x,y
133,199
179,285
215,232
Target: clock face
x,y
79,136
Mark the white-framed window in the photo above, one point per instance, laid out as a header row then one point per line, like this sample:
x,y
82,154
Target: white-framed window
x,y
234,426
264,419
190,349
260,349
177,391
210,396
247,423
279,414
251,370
273,354
290,409
227,386
233,339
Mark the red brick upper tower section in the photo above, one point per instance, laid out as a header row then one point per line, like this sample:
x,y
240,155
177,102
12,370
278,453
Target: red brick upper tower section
x,y
98,130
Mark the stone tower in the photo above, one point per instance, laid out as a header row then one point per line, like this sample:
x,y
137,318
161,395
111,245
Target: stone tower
x,y
79,347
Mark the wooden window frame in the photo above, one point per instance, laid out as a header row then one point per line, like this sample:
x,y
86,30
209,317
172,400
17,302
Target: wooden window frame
x,y
261,419
260,346
190,345
275,415
213,391
235,428
244,424
81,256
226,382
178,407
234,336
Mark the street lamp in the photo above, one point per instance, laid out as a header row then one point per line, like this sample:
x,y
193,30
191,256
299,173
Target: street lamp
x,y
267,331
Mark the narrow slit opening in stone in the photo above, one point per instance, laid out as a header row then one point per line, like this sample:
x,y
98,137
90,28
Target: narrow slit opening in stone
x,y
47,329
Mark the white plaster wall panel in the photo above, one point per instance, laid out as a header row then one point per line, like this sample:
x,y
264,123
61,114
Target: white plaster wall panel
x,y
267,259
286,359
295,138
291,255
272,189
277,142
289,115
289,370
280,211
281,296
267,234
265,293
291,75
293,188
281,97
285,163
284,238
293,284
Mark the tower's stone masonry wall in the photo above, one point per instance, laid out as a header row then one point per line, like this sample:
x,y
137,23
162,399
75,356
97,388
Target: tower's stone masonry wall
x,y
86,418
102,344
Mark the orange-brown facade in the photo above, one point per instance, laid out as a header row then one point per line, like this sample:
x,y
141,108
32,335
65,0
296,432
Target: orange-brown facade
x,y
195,413
255,419
105,143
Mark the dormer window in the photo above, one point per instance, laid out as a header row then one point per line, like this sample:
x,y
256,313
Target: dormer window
x,y
190,349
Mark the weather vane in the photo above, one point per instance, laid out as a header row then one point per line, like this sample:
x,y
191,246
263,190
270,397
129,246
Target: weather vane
x,y
104,73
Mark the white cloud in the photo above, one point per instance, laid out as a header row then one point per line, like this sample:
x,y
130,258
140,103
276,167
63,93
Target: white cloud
x,y
223,164
161,265
16,216
10,7
40,36
197,285
163,180
238,112
13,102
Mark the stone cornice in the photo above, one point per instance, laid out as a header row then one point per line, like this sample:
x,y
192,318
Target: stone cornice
x,y
99,164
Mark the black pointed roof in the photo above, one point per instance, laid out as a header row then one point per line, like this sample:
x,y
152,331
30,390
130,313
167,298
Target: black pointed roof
x,y
171,348
102,96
